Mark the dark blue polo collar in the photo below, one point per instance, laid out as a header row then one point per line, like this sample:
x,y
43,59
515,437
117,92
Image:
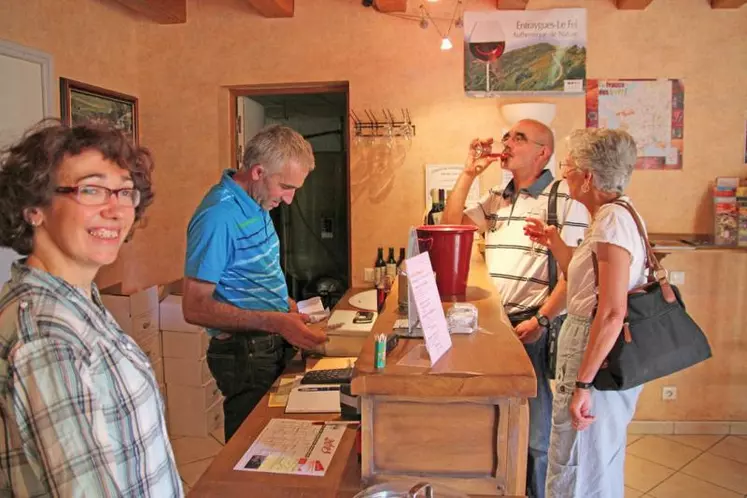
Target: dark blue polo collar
x,y
535,189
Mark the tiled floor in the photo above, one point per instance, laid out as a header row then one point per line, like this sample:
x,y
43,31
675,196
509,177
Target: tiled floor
x,y
688,466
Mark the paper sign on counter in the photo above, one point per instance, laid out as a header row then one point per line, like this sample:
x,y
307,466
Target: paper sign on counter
x,y
292,447
429,308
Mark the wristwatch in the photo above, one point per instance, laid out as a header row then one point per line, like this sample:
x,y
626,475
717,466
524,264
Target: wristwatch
x,y
584,385
542,320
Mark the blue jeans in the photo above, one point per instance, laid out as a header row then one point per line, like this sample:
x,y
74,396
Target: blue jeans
x,y
540,418
245,366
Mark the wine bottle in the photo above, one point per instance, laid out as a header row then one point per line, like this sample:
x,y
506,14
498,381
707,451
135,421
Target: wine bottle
x,y
434,208
391,264
401,257
439,207
379,267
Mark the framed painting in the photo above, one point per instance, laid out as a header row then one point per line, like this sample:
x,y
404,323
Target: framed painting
x,y
81,103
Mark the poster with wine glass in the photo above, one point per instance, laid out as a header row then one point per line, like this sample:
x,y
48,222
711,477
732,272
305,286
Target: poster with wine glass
x,y
527,52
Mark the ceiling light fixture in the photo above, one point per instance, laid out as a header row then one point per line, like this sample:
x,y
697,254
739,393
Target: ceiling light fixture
x,y
456,21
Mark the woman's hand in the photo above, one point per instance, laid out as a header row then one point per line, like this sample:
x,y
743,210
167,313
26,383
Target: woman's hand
x,y
581,417
539,232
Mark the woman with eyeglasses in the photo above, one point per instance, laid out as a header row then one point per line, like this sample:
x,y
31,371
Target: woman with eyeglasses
x,y
586,457
81,414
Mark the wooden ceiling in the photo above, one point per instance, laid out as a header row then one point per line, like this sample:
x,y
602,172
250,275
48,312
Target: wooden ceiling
x,y
175,11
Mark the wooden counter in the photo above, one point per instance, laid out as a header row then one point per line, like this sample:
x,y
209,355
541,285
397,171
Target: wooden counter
x,y
462,423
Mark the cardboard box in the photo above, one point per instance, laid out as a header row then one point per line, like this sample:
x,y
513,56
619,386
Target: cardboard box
x,y
184,372
188,345
194,398
141,305
172,318
183,421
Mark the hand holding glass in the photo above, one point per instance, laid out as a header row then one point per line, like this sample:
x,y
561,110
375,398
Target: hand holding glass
x,y
536,229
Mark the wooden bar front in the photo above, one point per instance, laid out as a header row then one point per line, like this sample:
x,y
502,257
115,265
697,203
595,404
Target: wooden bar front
x,y
462,423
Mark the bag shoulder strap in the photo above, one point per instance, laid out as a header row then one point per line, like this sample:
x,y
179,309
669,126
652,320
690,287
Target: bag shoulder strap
x,y
656,271
552,219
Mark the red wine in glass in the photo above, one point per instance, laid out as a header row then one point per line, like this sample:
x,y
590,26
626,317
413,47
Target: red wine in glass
x,y
487,51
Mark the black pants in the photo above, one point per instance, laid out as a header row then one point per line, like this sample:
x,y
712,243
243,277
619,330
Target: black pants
x,y
244,366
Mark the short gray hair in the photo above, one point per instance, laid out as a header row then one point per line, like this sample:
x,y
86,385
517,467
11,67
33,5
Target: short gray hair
x,y
609,154
273,146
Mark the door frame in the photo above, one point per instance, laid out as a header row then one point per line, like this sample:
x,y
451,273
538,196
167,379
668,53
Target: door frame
x,y
44,60
236,91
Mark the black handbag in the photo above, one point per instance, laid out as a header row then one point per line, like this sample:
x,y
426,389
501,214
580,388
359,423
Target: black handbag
x,y
658,337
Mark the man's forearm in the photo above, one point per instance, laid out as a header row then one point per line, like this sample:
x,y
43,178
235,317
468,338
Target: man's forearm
x,y
454,209
216,315
556,302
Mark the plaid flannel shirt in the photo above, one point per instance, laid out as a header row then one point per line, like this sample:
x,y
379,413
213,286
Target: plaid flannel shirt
x,y
80,409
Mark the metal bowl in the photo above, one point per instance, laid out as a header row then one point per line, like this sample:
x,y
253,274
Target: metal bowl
x,y
401,490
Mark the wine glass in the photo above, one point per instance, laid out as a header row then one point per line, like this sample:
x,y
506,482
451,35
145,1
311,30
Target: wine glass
x,y
487,42
539,213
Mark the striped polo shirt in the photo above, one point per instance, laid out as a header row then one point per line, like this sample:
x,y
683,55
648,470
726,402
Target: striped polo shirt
x,y
519,270
232,243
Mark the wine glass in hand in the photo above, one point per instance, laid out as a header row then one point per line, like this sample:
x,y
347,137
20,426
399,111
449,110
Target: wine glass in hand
x,y
477,160
536,229
540,232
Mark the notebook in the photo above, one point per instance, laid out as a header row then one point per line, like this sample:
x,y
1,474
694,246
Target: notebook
x,y
345,317
304,399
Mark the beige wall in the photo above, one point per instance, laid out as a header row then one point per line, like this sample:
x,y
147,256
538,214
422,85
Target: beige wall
x,y
181,72
391,62
90,41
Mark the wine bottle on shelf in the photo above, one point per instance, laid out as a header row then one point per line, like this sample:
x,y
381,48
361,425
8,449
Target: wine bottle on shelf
x,y
440,207
379,267
434,208
401,257
391,264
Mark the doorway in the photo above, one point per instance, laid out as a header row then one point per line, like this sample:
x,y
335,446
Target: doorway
x,y
314,230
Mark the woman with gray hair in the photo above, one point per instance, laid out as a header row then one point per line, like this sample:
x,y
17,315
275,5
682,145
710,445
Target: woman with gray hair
x,y
589,427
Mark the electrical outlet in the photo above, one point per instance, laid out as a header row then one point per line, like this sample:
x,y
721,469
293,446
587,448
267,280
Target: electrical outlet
x,y
677,277
669,393
368,275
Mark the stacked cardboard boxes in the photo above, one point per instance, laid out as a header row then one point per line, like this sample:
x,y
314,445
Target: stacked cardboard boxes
x,y
195,404
138,315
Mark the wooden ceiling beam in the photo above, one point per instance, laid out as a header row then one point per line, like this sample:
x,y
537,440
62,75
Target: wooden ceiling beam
x,y
727,4
273,8
160,11
632,4
511,4
387,6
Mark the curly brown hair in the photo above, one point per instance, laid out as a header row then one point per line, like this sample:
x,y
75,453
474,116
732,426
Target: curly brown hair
x,y
28,171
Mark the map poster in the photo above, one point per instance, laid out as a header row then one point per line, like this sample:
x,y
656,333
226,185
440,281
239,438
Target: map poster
x,y
652,111
525,52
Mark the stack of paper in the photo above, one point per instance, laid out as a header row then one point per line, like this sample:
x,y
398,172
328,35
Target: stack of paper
x,y
314,308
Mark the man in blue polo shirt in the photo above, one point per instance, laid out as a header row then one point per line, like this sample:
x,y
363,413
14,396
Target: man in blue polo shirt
x,y
234,285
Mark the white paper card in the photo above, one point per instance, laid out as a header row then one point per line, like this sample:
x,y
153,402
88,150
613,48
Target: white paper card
x,y
292,447
430,311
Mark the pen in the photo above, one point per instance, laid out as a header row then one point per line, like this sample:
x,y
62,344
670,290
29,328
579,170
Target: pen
x,y
338,422
315,389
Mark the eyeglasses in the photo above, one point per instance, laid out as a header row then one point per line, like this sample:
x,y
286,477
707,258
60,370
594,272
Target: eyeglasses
x,y
95,195
519,138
